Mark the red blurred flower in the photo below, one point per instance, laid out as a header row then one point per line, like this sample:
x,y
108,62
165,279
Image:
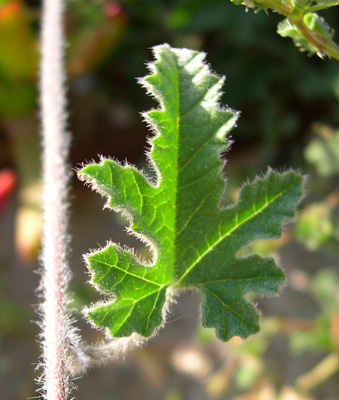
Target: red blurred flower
x,y
7,185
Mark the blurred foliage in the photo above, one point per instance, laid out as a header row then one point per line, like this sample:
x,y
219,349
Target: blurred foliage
x,y
323,152
18,60
174,395
95,30
12,315
316,225
324,336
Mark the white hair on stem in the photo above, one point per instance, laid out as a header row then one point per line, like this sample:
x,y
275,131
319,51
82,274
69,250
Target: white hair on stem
x,y
57,331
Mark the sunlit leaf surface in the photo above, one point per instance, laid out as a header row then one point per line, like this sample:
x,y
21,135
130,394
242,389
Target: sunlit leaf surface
x,y
193,235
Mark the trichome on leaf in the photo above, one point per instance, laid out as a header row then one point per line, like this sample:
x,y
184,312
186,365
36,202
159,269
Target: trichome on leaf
x,y
194,237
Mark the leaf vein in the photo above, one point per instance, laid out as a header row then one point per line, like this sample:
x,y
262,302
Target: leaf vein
x,y
130,273
196,210
231,309
229,232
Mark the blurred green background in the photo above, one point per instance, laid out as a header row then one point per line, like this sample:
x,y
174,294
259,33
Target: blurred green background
x,y
289,118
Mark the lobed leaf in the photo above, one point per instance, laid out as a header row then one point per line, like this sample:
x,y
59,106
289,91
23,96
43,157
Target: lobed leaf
x,y
193,235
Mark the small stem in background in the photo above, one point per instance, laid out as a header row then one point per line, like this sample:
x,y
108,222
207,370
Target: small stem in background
x,y
320,373
55,275
286,8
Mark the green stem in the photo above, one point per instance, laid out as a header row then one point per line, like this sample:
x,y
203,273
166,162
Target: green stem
x,y
329,48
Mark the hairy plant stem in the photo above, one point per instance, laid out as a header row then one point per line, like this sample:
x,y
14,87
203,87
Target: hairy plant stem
x,y
325,47
55,274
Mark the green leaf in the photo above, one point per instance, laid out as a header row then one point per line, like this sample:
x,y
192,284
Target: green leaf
x,y
318,25
181,215
322,4
287,29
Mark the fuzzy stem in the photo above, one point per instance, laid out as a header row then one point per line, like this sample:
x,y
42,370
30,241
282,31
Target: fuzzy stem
x,y
324,46
56,323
